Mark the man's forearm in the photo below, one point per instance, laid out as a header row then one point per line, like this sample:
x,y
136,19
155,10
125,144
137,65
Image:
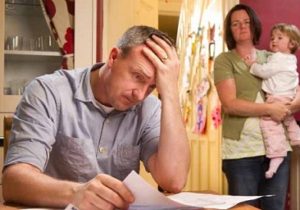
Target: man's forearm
x,y
173,157
24,184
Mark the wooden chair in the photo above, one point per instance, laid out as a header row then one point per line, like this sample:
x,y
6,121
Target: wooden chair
x,y
7,127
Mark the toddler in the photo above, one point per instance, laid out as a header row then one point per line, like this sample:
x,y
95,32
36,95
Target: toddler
x,y
280,81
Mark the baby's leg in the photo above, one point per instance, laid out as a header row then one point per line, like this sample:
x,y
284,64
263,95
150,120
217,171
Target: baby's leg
x,y
293,130
274,139
274,165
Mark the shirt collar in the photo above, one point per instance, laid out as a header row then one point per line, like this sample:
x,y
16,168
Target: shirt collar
x,y
84,90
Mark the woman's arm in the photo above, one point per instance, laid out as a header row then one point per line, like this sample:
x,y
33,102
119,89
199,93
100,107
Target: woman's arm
x,y
232,105
295,105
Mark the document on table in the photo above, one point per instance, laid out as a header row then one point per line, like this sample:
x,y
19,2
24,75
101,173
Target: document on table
x,y
147,197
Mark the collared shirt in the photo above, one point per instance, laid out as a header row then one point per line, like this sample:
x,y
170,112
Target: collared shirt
x,y
59,128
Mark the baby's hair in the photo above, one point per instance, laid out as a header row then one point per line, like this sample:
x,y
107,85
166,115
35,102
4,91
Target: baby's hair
x,y
291,31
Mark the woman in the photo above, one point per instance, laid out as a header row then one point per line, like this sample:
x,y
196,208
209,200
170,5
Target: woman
x,y
244,160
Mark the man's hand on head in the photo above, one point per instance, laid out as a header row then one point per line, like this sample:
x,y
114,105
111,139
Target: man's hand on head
x,y
165,60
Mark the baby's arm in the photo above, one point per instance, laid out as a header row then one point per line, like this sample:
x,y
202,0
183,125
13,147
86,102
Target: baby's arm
x,y
265,70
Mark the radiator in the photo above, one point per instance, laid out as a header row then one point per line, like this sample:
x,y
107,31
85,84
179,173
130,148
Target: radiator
x,y
205,172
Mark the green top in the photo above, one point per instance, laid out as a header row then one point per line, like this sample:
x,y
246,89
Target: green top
x,y
242,136
229,65
250,143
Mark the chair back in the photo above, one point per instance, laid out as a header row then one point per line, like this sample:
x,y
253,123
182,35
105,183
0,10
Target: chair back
x,y
7,127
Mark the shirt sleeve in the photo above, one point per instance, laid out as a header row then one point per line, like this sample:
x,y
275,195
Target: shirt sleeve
x,y
266,70
33,129
222,68
151,130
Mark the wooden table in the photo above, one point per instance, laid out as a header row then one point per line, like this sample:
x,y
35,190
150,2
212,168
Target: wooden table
x,y
16,207
238,207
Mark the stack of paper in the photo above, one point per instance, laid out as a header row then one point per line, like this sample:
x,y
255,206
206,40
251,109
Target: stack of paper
x,y
147,197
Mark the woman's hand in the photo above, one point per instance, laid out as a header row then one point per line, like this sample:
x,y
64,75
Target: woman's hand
x,y
278,111
294,106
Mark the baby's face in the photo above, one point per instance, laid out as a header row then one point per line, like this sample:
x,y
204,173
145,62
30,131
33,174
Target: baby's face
x,y
280,42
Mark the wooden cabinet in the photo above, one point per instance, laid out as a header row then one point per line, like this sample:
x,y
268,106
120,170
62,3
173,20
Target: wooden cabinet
x,y
28,50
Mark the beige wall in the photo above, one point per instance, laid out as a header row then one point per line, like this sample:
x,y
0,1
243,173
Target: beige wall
x,y
121,14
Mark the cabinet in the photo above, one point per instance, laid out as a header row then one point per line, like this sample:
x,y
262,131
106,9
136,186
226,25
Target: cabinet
x,y
28,50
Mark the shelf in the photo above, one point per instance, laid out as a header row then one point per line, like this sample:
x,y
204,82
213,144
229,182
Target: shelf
x,y
29,8
32,53
23,2
32,56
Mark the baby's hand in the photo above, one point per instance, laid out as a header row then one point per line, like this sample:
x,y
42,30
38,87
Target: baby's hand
x,y
250,58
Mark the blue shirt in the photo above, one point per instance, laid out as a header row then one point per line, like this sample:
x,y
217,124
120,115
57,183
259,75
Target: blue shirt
x,y
59,128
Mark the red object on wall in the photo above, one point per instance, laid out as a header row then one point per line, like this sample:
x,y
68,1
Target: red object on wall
x,y
271,12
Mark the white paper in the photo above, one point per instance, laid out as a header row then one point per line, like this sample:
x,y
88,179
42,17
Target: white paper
x,y
147,197
40,209
210,200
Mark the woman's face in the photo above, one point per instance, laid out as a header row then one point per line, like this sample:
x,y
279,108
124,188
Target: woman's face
x,y
240,26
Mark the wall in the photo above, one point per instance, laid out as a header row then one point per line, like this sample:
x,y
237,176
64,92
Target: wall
x,y
119,15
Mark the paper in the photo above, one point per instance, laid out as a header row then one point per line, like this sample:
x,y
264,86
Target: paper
x,y
39,209
147,197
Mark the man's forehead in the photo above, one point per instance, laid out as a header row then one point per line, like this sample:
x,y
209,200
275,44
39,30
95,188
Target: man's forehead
x,y
143,64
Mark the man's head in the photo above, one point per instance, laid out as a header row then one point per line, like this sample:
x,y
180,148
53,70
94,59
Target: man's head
x,y
137,35
129,76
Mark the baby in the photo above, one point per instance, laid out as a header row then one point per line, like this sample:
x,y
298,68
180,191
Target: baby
x,y
280,81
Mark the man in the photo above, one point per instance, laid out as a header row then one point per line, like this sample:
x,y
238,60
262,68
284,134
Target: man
x,y
77,134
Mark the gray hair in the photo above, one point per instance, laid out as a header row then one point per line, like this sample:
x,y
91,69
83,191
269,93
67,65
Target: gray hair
x,y
137,35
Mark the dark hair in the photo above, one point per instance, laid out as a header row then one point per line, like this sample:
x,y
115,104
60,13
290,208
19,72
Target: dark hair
x,y
255,25
137,35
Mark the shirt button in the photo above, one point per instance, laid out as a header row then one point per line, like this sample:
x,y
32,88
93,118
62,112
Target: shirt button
x,y
102,150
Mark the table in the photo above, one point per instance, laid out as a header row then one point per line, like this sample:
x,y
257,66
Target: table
x,y
238,207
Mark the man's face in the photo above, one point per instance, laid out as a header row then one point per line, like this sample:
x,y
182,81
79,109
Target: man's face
x,y
130,80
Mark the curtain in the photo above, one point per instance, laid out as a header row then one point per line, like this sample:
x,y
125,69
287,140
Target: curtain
x,y
199,37
199,40
59,15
